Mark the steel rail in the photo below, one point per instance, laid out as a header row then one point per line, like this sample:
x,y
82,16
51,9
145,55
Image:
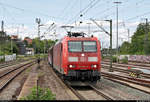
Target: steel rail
x,y
119,79
103,94
11,70
136,80
133,63
122,83
76,93
127,65
9,76
62,82
126,71
81,97
7,64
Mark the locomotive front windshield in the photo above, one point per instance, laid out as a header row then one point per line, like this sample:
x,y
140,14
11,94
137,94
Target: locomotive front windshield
x,y
82,46
75,46
89,46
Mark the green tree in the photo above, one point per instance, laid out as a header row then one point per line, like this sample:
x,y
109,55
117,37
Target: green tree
x,y
138,44
38,45
125,48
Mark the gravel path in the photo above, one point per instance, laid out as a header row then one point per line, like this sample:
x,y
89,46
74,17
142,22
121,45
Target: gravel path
x,y
47,80
121,92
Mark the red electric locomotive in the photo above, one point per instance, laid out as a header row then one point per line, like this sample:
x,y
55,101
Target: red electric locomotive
x,y
77,58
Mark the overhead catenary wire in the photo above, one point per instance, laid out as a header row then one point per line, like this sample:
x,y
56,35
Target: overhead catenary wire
x,y
91,7
10,14
138,2
29,11
80,11
131,18
83,10
65,8
103,10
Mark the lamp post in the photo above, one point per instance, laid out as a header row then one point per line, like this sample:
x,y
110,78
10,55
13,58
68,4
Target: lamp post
x,y
117,27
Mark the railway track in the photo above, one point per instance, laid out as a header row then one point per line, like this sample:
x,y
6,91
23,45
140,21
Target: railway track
x,y
8,76
127,65
133,63
93,93
7,64
82,93
140,84
88,92
124,70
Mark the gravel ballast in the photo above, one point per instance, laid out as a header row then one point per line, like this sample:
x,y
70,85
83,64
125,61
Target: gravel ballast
x,y
48,80
122,92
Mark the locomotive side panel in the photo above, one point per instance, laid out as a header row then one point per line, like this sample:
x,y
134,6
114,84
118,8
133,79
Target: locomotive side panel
x,y
64,56
57,57
50,56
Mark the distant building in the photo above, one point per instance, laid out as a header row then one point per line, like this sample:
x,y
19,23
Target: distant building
x,y
29,41
15,37
21,45
29,51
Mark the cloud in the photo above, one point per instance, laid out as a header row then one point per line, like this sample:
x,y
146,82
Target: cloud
x,y
133,24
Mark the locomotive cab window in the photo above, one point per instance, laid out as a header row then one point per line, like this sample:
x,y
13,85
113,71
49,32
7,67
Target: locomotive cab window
x,y
89,46
75,46
82,46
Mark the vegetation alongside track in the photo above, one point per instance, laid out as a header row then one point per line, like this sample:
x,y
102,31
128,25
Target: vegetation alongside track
x,y
138,45
43,94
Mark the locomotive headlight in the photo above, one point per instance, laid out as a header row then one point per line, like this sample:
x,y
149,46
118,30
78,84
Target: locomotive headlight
x,y
94,66
92,59
71,66
73,59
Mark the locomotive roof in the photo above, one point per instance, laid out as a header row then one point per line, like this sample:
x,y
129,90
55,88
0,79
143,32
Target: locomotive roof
x,y
80,38
66,38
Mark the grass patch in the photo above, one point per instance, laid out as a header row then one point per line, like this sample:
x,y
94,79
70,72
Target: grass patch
x,y
125,60
41,74
2,60
43,94
114,58
28,70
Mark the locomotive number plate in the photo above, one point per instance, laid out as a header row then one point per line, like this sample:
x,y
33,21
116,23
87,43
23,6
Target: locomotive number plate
x,y
82,59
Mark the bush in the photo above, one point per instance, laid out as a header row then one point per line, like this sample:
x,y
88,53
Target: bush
x,y
1,53
103,56
125,60
2,60
43,94
114,58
